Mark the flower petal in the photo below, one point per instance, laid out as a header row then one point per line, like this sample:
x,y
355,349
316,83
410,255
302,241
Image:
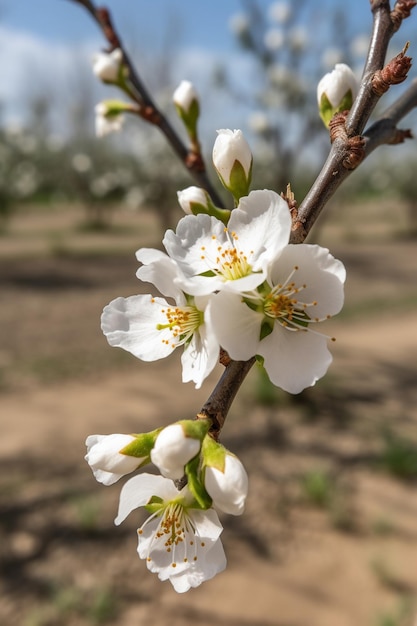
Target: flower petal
x,y
131,323
200,356
106,461
294,360
262,223
137,491
173,450
202,570
160,270
237,327
194,241
322,275
228,489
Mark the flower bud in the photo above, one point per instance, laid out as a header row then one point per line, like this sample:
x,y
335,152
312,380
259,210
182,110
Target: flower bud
x,y
176,445
225,478
106,457
184,96
109,116
193,200
107,65
232,158
186,102
336,91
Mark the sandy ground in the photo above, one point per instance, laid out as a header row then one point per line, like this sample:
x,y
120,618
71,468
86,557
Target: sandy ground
x,y
347,560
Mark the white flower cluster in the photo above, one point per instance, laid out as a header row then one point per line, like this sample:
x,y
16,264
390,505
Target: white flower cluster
x,y
230,280
242,287
180,540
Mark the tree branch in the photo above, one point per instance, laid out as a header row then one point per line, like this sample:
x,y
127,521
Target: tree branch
x,y
348,149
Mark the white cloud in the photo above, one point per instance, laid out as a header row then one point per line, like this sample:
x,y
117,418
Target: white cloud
x,y
32,67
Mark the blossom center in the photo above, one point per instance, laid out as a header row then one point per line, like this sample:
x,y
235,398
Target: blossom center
x,y
171,526
181,322
228,262
285,305
175,534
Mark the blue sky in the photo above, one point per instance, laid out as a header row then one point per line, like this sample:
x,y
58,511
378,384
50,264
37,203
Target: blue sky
x,y
203,22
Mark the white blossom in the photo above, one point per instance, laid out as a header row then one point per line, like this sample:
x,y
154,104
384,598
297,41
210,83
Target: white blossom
x,y
151,328
178,542
106,65
192,195
230,147
106,459
184,95
106,123
277,321
212,257
172,451
336,84
227,488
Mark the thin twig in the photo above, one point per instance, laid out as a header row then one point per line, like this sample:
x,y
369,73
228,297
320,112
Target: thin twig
x,y
384,130
147,107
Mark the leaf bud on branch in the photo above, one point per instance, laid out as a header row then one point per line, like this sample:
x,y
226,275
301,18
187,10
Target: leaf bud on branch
x,y
394,73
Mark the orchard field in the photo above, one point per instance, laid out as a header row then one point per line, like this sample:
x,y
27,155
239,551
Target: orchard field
x,y
329,537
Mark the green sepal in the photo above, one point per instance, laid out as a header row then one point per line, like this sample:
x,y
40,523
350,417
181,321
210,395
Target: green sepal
x,y
210,209
195,485
142,445
196,429
190,118
154,505
213,454
327,111
267,327
239,182
116,107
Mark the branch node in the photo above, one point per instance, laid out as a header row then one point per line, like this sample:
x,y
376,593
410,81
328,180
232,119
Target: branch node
x,y
224,357
355,152
194,161
337,126
393,73
149,114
